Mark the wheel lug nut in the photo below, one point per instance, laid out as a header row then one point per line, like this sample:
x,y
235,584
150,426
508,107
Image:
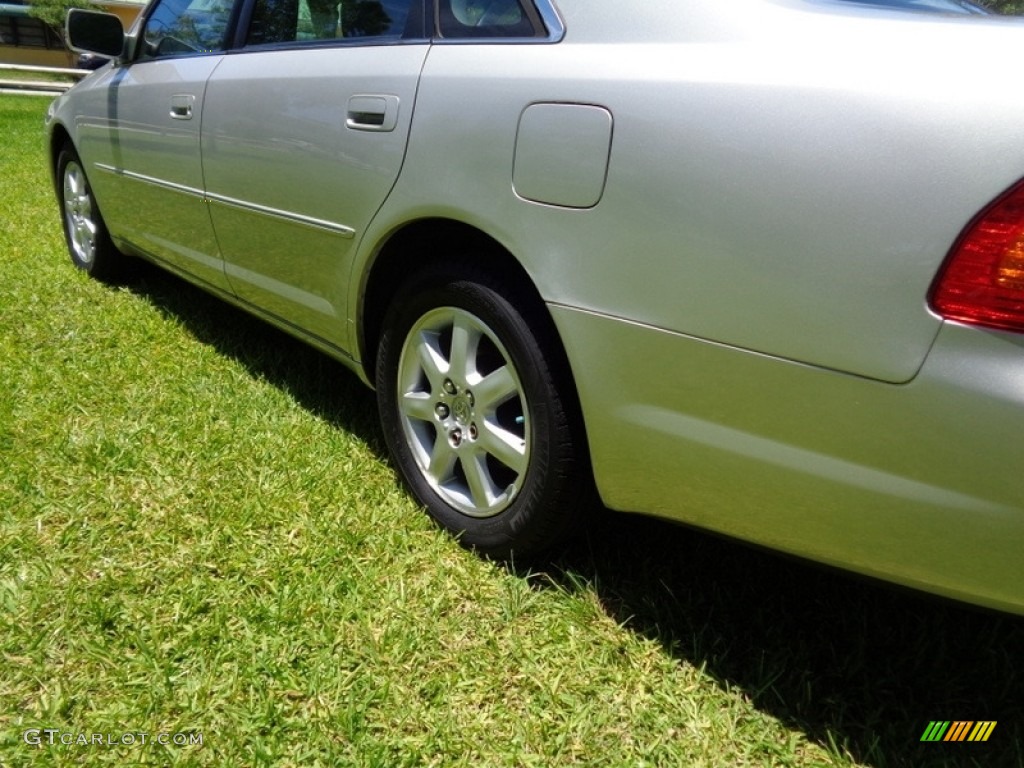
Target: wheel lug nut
x,y
455,436
473,431
441,411
449,386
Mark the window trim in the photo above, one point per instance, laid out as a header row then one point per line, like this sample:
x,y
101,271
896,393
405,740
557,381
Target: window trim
x,y
545,10
246,8
138,31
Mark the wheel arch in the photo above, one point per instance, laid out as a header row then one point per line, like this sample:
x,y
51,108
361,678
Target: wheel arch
x,y
59,137
434,241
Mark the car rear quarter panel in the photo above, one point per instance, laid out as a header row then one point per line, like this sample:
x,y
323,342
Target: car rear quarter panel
x,y
791,189
917,483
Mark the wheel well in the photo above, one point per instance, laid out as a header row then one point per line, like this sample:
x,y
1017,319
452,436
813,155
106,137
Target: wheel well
x,y
58,138
464,248
436,241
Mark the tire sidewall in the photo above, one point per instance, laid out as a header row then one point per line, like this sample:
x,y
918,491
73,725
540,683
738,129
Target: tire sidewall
x,y
104,261
522,524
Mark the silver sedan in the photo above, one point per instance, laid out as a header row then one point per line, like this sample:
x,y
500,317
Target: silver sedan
x,y
756,266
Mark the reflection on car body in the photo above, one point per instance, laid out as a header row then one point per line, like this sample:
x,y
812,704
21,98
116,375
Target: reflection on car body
x,y
927,6
754,266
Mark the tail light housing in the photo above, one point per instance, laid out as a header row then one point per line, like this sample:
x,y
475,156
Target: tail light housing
x,y
982,281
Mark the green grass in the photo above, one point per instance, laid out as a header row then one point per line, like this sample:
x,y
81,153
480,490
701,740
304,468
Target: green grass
x,y
200,534
17,74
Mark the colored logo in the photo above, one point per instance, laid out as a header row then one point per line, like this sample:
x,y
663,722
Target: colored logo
x,y
958,730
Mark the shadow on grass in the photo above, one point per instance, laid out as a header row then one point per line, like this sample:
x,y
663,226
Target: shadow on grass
x,y
323,386
849,662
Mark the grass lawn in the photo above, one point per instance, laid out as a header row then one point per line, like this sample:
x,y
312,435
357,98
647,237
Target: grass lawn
x,y
16,74
200,536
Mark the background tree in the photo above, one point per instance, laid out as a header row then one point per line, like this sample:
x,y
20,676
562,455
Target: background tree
x,y
53,12
1009,7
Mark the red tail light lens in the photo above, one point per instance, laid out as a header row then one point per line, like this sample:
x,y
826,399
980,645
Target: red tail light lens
x,y
982,282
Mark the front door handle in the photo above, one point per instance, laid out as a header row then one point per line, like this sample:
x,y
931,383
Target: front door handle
x,y
181,106
372,112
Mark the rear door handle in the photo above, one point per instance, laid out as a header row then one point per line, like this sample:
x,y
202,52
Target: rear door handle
x,y
372,112
181,106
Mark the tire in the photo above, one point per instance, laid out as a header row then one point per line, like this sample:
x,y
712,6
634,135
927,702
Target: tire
x,y
85,232
476,417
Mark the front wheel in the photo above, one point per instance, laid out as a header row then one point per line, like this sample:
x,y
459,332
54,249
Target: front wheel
x,y
476,417
85,232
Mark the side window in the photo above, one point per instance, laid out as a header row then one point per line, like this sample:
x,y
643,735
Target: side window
x,y
185,26
488,18
285,21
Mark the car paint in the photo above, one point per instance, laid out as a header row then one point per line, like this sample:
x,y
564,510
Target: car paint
x,y
287,206
738,274
148,172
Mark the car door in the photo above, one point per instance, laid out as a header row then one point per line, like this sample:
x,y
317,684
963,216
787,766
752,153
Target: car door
x,y
304,134
154,112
